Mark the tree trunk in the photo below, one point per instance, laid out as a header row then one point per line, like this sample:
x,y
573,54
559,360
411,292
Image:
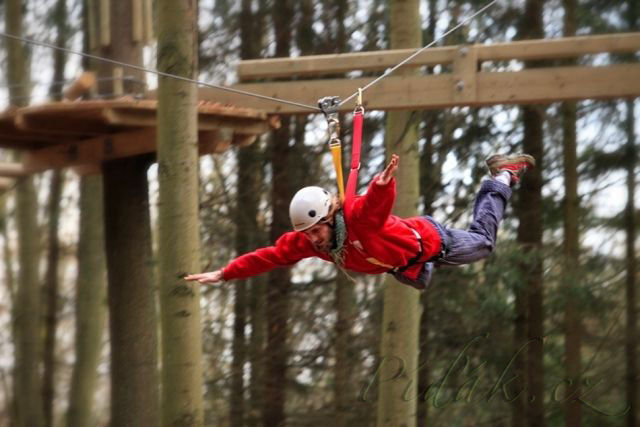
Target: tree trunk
x,y
631,271
91,288
253,31
430,181
90,302
571,243
178,234
55,192
28,391
51,290
530,232
631,263
257,298
132,307
277,309
344,396
27,382
401,312
248,199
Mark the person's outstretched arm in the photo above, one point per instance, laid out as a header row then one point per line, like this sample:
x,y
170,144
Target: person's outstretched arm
x,y
290,248
210,277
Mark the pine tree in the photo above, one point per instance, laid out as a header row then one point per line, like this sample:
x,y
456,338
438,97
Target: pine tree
x,y
401,316
178,238
133,319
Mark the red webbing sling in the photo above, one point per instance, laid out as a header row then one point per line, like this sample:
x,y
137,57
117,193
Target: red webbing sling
x,y
356,142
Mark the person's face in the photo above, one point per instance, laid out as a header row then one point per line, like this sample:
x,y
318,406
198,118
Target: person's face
x,y
320,236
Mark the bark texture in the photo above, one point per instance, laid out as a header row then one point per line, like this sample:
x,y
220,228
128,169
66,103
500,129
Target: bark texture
x,y
27,381
178,234
571,244
91,307
529,235
401,312
133,319
277,298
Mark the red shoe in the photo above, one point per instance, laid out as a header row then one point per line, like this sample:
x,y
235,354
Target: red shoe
x,y
515,164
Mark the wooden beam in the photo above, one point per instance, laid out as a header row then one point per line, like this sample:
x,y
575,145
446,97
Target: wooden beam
x,y
317,65
37,122
80,86
206,122
12,170
540,85
6,184
93,152
464,74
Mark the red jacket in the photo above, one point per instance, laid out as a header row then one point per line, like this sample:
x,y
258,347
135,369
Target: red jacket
x,y
377,241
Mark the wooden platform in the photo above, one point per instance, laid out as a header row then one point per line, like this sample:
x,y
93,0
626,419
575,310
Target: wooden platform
x,y
64,134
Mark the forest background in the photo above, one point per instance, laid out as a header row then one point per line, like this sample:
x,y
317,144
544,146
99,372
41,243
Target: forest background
x,y
556,301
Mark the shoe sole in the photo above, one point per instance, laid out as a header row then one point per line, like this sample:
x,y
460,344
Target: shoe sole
x,y
496,161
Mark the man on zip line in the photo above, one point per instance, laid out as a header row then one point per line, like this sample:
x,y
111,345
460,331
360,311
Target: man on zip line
x,y
360,234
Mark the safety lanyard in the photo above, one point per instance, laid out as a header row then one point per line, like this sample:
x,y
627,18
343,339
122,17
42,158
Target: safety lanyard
x,y
329,106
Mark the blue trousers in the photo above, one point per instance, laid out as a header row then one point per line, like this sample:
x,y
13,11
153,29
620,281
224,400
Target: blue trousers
x,y
467,246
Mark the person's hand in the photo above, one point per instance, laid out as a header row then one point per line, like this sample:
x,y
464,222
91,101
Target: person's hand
x,y
210,277
389,171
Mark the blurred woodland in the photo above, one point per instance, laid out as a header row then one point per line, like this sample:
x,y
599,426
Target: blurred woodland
x,y
544,332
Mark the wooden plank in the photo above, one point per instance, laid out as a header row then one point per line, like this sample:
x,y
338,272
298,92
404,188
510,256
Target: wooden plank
x,y
80,86
137,20
436,91
464,74
559,84
317,65
148,21
91,151
72,126
214,141
95,151
6,184
105,22
206,122
12,170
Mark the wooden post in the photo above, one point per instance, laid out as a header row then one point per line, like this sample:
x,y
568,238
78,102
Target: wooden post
x,y
6,184
105,23
148,21
118,84
92,20
80,86
465,65
137,24
12,170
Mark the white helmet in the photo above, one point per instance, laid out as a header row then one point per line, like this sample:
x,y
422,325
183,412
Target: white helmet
x,y
308,207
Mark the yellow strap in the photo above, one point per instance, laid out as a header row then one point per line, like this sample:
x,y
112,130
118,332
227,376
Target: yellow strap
x,y
337,165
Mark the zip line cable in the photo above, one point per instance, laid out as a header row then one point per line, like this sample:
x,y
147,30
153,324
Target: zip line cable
x,y
417,52
156,72
238,91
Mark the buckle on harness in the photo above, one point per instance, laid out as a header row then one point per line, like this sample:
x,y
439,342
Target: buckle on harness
x,y
415,259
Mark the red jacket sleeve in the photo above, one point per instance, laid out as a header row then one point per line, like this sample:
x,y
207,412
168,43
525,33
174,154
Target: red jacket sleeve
x,y
290,248
374,207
